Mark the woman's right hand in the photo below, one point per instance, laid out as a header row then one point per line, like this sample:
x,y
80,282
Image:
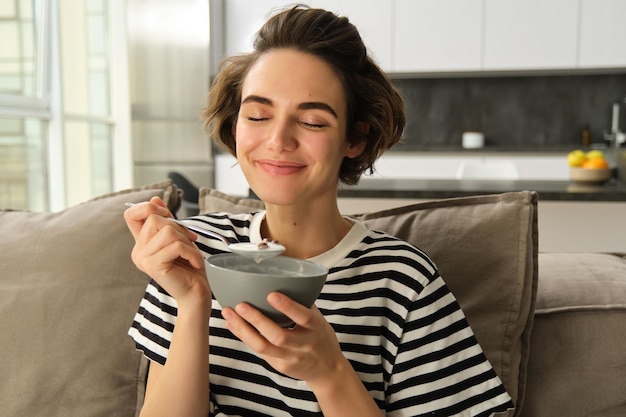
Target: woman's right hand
x,y
166,251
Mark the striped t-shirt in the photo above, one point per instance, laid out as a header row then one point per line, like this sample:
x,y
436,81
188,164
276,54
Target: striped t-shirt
x,y
395,319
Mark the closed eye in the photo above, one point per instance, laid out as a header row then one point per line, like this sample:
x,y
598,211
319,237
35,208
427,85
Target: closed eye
x,y
313,125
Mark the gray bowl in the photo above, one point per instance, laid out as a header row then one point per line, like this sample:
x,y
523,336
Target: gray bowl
x,y
235,279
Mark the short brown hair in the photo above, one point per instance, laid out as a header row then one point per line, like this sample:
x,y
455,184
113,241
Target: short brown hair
x,y
370,95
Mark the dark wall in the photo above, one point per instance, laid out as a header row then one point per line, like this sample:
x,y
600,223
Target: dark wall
x,y
515,113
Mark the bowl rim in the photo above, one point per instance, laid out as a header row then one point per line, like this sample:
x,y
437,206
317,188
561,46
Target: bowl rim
x,y
321,269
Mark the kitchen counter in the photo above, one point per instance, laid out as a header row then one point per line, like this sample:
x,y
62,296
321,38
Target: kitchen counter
x,y
388,188
497,149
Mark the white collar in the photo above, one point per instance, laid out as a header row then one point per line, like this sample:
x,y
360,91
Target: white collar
x,y
329,258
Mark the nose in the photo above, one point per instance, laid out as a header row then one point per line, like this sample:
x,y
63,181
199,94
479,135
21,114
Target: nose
x,y
282,136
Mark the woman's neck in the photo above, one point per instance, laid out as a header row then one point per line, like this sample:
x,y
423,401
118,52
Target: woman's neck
x,y
305,231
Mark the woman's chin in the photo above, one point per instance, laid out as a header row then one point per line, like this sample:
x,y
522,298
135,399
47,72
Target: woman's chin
x,y
276,195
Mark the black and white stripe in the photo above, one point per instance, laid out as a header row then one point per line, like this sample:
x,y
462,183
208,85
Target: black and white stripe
x,y
395,319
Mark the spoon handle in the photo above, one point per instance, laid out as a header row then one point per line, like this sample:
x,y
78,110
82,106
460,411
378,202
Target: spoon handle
x,y
193,228
200,230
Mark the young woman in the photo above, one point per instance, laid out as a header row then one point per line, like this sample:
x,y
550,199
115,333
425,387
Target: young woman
x,y
304,111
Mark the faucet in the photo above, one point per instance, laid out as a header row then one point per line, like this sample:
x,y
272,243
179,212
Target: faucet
x,y
616,136
620,137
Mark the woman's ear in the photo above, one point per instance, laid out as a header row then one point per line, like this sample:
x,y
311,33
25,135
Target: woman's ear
x,y
358,139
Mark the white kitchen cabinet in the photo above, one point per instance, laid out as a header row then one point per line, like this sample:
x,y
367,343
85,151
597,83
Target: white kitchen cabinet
x,y
373,19
530,34
602,34
242,18
430,36
441,35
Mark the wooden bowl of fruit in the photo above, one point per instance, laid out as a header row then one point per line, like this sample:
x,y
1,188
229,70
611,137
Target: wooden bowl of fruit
x,y
588,168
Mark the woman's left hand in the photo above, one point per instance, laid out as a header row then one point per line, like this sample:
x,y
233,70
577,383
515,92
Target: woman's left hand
x,y
309,351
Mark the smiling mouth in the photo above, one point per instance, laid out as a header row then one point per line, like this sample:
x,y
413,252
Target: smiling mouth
x,y
280,167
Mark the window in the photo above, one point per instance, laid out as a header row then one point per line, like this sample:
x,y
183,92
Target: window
x,y
61,122
23,99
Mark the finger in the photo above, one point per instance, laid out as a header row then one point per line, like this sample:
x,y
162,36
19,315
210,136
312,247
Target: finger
x,y
238,325
160,235
154,223
167,260
159,202
173,273
179,240
156,206
181,254
301,315
136,215
256,330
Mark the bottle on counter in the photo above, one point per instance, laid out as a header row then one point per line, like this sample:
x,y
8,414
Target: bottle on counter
x,y
586,136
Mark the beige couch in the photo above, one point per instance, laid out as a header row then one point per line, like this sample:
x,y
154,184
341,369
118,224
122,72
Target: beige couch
x,y
552,325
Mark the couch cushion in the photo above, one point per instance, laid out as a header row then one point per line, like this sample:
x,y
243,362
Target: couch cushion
x,y
578,355
485,248
212,201
68,293
581,281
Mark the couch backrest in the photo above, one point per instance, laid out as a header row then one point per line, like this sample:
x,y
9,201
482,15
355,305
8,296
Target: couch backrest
x,y
68,294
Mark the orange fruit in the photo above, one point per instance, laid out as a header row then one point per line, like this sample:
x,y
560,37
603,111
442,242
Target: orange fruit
x,y
595,163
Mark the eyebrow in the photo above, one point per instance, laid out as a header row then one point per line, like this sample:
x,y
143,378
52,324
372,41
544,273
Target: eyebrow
x,y
308,105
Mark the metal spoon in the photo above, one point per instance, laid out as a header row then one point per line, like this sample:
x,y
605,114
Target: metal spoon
x,y
257,251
